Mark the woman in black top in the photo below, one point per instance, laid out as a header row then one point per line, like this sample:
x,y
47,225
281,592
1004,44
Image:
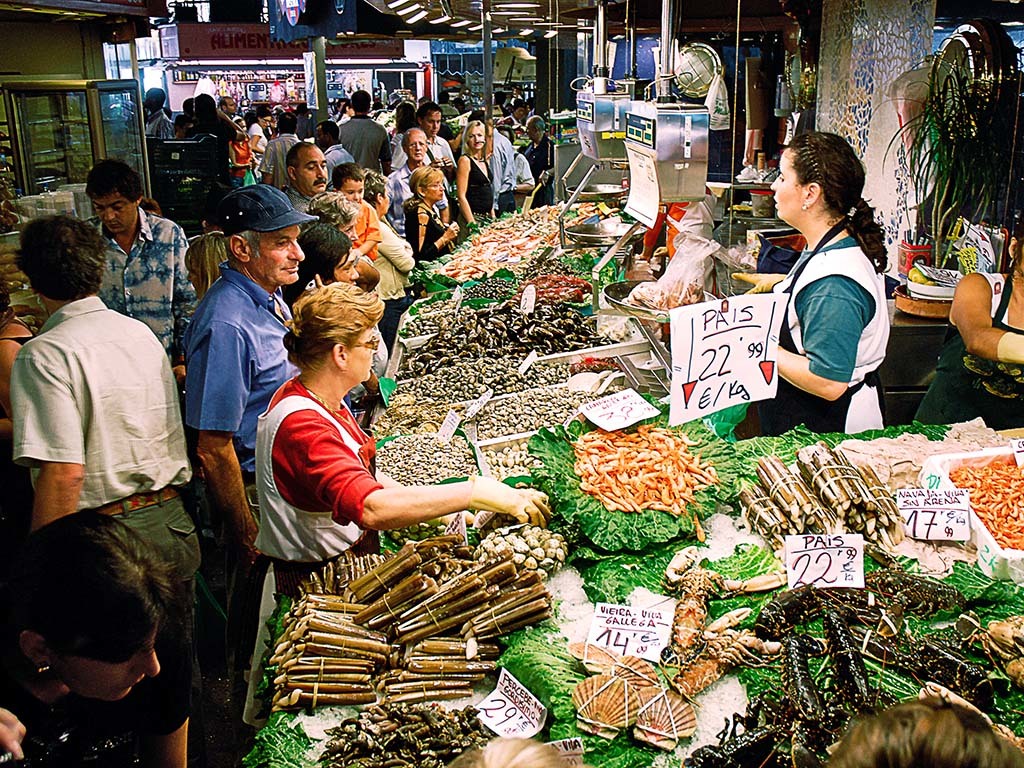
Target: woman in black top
x,y
473,176
427,234
84,664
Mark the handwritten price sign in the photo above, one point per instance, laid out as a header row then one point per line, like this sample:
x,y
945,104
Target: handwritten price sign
x,y
1017,446
628,631
724,353
510,710
457,527
934,515
448,426
618,410
570,750
825,561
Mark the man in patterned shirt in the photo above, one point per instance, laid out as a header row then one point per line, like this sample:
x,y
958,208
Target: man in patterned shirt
x,y
146,277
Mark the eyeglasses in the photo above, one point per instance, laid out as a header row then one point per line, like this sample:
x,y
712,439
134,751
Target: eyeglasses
x,y
436,184
373,343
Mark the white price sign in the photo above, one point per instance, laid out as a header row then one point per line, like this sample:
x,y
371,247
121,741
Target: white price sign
x,y
935,515
457,297
628,631
448,427
528,301
618,410
477,405
724,353
1017,446
824,561
510,710
570,750
527,362
457,527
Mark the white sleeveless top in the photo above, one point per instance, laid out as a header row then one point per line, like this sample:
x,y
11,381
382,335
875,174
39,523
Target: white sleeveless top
x,y
287,532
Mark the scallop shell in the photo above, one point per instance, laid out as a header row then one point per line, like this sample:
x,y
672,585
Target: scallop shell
x,y
605,704
636,671
665,719
596,660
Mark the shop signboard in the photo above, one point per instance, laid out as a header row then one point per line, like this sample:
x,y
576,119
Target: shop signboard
x,y
253,41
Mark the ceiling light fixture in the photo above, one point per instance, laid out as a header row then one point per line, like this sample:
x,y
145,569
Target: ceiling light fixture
x,y
461,23
416,17
439,20
476,27
551,33
409,10
525,32
395,4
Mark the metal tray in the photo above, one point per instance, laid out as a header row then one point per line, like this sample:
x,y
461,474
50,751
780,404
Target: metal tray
x,y
604,232
616,295
595,192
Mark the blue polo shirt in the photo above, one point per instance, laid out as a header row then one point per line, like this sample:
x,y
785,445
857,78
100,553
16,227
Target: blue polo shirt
x,y
235,360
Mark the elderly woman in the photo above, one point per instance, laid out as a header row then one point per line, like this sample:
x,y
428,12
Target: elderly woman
x,y
394,260
86,664
427,234
836,327
340,212
979,372
318,489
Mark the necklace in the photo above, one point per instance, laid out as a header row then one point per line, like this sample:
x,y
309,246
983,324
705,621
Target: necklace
x,y
320,400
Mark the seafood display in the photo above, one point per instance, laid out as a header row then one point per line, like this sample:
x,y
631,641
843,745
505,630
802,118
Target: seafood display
x,y
496,288
424,460
827,494
419,626
503,329
530,410
555,289
429,318
469,265
510,460
997,498
651,468
406,416
469,379
630,693
404,736
531,548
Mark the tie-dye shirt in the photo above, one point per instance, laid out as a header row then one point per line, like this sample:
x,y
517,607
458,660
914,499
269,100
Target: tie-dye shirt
x,y
151,283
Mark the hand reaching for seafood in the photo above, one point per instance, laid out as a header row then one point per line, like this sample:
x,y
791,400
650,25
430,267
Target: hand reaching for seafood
x,y
525,505
12,732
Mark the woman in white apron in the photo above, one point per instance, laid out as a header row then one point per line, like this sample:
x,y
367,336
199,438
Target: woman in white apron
x,y
318,490
836,328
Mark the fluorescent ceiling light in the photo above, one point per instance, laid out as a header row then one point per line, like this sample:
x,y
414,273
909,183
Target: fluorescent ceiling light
x,y
410,10
552,33
439,20
519,5
476,27
416,17
525,32
393,4
462,23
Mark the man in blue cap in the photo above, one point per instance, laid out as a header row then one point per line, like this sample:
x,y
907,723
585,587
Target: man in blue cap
x,y
236,360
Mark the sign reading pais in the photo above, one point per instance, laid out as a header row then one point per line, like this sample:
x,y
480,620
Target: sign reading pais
x,y
253,41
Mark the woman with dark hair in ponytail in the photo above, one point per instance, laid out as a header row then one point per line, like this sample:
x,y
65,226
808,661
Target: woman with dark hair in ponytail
x,y
836,327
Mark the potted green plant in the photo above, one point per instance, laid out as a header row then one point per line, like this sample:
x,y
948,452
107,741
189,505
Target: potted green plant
x,y
958,152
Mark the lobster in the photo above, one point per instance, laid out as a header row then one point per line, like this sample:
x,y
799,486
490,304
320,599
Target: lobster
x,y
851,677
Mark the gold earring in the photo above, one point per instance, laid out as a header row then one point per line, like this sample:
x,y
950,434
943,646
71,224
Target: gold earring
x,y
43,668
804,207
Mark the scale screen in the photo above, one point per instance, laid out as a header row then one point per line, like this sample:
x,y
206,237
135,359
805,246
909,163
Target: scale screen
x,y
640,129
585,110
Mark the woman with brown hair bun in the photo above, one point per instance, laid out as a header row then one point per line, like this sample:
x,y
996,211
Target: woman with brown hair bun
x,y
429,237
836,327
319,491
510,753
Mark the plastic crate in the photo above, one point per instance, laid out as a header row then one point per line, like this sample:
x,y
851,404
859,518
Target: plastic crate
x,y
183,157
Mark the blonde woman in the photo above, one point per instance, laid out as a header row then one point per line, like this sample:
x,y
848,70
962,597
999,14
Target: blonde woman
x,y
429,237
473,178
203,258
510,753
394,259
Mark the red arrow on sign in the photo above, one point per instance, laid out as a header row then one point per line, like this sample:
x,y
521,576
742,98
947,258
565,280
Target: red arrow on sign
x,y
767,370
687,391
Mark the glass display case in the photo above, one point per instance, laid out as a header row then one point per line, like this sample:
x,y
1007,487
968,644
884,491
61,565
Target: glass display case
x,y
59,129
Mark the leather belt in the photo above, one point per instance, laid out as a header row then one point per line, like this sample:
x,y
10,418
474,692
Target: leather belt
x,y
139,501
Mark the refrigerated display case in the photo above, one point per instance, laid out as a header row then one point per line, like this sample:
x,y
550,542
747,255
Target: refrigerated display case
x,y
60,128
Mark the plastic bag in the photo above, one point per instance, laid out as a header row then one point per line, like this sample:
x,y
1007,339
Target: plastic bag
x,y
717,102
684,278
249,179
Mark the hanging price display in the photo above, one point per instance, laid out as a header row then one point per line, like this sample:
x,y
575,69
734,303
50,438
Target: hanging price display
x,y
628,631
510,710
448,427
570,750
822,561
724,353
934,515
1017,446
618,410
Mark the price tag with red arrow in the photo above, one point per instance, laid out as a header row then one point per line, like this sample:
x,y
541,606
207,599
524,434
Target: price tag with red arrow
x,y
724,353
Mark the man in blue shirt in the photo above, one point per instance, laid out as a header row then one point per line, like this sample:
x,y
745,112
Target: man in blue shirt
x,y
503,170
236,359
